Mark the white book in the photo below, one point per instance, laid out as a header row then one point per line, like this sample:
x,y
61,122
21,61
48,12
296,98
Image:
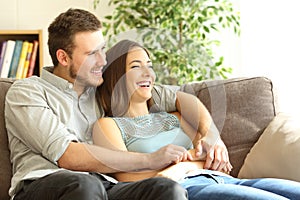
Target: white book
x,y
10,46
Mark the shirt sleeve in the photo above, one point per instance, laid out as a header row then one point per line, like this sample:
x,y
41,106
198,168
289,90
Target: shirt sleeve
x,y
163,98
30,119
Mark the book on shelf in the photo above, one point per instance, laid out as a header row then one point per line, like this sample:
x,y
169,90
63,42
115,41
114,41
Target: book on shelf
x,y
26,64
33,58
2,54
10,46
22,59
15,59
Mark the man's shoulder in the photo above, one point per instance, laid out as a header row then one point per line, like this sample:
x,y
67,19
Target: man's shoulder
x,y
174,88
25,82
28,80
26,85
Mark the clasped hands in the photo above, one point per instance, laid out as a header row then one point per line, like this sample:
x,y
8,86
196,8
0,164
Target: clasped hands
x,y
213,154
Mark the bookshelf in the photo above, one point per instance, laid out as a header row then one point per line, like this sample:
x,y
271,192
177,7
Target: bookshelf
x,y
29,35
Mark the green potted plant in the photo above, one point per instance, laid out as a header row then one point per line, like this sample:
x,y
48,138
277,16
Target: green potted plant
x,y
178,34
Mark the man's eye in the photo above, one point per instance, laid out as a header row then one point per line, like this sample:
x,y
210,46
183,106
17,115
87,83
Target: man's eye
x,y
92,53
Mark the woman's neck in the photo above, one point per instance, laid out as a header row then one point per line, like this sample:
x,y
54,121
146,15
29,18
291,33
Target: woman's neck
x,y
137,109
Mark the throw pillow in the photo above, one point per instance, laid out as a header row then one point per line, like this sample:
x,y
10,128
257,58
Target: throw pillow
x,y
277,151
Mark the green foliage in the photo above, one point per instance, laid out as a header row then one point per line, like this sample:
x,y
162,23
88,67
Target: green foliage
x,y
178,33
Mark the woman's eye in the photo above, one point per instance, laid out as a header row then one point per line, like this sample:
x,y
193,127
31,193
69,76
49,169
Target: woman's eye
x,y
135,66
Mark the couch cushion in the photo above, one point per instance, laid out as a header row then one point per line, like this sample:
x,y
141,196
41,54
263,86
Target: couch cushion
x,y
5,166
241,108
276,153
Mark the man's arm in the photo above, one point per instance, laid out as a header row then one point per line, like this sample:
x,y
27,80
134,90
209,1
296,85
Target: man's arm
x,y
112,151
42,131
85,157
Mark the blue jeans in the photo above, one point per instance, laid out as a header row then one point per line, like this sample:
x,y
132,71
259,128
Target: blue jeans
x,y
214,187
77,186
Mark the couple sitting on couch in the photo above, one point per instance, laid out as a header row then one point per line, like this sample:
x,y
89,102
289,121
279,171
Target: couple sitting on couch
x,y
49,121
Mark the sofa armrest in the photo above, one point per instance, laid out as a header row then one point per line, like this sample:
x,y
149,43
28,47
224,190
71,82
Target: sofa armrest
x,y
5,165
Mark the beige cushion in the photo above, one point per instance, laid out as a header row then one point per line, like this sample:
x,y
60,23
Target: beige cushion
x,y
277,152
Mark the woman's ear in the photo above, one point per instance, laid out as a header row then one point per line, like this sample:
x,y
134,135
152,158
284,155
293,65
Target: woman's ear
x,y
62,57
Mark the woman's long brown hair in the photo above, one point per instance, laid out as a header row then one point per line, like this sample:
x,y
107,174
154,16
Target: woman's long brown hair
x,y
112,94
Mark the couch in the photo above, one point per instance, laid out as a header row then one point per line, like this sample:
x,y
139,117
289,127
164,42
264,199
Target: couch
x,y
241,107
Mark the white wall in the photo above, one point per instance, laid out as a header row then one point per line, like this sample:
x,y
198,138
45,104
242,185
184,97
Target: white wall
x,y
38,14
269,46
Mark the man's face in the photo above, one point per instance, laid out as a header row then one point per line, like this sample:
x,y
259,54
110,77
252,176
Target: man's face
x,y
88,59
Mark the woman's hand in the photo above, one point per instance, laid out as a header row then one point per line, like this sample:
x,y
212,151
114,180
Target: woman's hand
x,y
217,157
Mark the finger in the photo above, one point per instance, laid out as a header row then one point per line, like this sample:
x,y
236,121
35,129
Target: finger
x,y
179,153
223,159
189,156
198,150
226,169
216,164
227,161
217,159
229,166
186,156
176,159
209,160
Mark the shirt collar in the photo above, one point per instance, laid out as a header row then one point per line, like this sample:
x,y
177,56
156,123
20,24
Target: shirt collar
x,y
61,83
57,81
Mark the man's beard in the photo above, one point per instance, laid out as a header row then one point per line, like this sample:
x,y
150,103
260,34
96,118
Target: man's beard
x,y
78,79
81,79
72,72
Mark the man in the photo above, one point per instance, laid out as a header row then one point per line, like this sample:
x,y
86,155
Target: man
x,y
49,122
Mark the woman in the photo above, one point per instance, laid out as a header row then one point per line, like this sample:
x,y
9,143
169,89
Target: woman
x,y
132,127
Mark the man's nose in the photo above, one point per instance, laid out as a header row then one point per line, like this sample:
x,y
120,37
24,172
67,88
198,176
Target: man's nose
x,y
101,58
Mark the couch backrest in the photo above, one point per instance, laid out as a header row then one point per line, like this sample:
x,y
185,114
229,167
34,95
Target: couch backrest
x,y
241,108
5,166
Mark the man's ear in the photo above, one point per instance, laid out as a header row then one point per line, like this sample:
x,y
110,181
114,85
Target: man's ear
x,y
62,57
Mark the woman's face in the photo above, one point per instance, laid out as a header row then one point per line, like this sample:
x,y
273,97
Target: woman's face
x,y
140,75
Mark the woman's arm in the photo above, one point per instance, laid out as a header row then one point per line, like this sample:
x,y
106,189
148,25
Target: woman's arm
x,y
191,132
207,138
107,134
193,111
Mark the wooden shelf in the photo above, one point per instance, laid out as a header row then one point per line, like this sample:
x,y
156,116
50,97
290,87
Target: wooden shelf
x,y
29,35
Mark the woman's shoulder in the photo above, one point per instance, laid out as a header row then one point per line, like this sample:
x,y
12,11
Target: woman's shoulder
x,y
106,125
107,121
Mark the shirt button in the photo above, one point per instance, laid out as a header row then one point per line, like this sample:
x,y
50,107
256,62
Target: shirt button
x,y
70,86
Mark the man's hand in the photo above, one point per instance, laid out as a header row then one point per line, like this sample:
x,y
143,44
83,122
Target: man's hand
x,y
170,154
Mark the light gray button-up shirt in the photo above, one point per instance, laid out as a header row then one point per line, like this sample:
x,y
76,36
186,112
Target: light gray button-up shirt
x,y
44,114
